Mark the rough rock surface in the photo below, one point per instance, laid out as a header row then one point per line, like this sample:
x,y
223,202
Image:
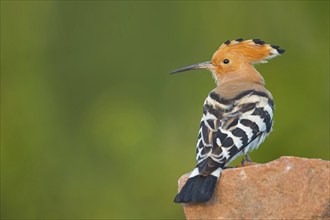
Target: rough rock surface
x,y
287,188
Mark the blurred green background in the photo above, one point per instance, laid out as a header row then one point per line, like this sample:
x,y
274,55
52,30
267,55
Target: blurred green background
x,y
92,124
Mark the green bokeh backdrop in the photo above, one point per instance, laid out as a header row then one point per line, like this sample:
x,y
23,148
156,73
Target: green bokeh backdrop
x,y
92,124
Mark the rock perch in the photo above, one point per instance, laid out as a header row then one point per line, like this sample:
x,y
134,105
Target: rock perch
x,y
287,188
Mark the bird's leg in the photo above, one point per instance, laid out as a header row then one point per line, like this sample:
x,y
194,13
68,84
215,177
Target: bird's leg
x,y
246,159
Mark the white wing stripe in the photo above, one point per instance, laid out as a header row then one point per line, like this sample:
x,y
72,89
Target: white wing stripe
x,y
248,131
256,119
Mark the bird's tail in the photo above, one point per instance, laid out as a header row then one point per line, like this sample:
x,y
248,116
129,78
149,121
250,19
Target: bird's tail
x,y
198,188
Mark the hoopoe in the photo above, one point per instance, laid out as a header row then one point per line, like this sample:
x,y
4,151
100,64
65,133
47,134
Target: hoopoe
x,y
237,114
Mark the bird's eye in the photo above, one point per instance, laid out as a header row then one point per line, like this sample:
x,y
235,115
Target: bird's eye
x,y
225,61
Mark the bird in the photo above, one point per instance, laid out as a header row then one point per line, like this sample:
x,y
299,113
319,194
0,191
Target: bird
x,y
237,114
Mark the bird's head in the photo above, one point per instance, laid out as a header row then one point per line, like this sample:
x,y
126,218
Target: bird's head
x,y
235,59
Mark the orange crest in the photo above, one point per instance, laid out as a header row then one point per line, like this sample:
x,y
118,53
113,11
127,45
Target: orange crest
x,y
232,54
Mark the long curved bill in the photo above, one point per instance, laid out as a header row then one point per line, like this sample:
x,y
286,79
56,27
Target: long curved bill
x,y
205,65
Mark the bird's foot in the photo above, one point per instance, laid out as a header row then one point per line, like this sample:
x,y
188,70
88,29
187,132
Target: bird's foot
x,y
243,162
228,168
246,163
246,160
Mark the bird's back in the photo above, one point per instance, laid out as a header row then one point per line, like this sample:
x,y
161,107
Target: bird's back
x,y
236,119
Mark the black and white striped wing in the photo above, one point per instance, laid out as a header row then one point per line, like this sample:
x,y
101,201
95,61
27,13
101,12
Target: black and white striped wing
x,y
231,127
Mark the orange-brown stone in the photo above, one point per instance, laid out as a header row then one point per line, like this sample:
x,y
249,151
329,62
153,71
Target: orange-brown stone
x,y
287,188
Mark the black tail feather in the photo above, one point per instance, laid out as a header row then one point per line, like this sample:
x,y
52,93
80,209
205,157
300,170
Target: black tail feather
x,y
197,189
